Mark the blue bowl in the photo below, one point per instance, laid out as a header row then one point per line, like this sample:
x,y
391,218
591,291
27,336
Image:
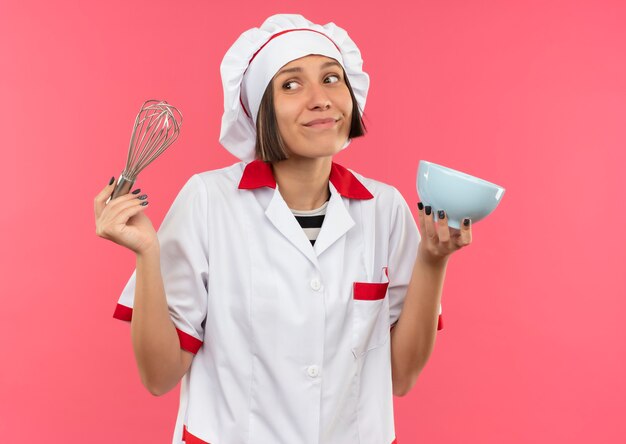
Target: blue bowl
x,y
458,194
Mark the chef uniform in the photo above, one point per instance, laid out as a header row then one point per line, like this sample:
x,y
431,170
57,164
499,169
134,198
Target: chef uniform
x,y
291,339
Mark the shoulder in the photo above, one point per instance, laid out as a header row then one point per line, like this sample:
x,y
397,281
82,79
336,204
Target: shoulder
x,y
388,208
213,182
209,186
227,175
385,195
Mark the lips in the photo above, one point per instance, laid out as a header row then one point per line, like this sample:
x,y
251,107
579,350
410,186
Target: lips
x,y
320,122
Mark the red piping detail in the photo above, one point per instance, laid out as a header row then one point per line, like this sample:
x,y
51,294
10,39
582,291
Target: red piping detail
x,y
243,107
285,32
190,439
259,174
123,313
263,46
439,324
370,291
187,342
347,184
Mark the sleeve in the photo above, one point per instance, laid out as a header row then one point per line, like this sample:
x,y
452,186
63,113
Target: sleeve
x,y
404,241
184,265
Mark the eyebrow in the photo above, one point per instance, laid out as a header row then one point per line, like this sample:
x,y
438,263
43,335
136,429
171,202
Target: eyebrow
x,y
299,69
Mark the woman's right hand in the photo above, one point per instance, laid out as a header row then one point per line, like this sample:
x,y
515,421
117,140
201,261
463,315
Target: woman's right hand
x,y
123,221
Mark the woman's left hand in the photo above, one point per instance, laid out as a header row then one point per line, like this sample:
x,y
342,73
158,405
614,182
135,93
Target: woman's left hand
x,y
438,240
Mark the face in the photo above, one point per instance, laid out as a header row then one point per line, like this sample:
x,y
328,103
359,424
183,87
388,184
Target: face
x,y
313,106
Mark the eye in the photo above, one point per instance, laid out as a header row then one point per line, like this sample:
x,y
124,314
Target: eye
x,y
332,78
290,85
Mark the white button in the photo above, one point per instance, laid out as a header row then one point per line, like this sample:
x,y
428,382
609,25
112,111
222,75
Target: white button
x,y
313,371
316,284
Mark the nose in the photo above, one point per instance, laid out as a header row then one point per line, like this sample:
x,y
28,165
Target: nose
x,y
319,98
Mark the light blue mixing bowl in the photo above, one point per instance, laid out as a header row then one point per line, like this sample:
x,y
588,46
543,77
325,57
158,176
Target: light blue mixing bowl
x,y
458,194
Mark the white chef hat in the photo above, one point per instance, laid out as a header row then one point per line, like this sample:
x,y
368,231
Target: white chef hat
x,y
256,57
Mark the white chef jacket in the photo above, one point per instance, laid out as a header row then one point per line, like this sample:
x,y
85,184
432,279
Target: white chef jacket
x,y
291,341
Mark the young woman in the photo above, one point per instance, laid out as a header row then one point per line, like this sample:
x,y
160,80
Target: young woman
x,y
292,296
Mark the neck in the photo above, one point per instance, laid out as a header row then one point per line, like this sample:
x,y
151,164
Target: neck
x,y
303,182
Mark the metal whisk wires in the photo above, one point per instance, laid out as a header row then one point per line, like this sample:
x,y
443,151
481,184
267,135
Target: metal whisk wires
x,y
157,126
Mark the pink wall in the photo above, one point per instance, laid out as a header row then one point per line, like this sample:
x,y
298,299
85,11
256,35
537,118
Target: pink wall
x,y
530,95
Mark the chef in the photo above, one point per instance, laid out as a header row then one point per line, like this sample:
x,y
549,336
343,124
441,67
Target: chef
x,y
291,296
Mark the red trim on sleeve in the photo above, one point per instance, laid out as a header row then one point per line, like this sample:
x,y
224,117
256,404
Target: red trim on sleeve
x,y
190,439
439,324
123,313
188,342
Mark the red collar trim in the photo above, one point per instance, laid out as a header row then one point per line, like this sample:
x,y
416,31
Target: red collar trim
x,y
259,174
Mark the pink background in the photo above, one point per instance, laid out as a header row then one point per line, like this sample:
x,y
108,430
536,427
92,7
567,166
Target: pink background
x,y
530,95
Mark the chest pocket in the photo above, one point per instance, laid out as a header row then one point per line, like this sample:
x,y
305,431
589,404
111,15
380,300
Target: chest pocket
x,y
370,319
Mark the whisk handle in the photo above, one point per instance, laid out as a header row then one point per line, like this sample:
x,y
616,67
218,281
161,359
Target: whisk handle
x,y
123,187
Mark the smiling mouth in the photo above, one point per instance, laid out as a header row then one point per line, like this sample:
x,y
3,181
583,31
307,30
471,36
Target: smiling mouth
x,y
322,124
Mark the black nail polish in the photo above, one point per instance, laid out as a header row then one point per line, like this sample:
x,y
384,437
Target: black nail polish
x,y
137,191
143,204
420,206
428,210
466,222
112,180
143,197
441,214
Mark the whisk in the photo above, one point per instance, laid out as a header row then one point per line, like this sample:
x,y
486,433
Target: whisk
x,y
157,126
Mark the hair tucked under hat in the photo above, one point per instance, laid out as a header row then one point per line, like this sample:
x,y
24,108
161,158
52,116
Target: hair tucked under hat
x,y
259,53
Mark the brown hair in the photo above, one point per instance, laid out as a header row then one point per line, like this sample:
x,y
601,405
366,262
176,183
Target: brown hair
x,y
269,144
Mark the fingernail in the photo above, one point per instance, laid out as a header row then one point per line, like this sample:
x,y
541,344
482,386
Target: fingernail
x,y
112,180
441,214
428,210
143,204
420,206
143,197
466,222
137,191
